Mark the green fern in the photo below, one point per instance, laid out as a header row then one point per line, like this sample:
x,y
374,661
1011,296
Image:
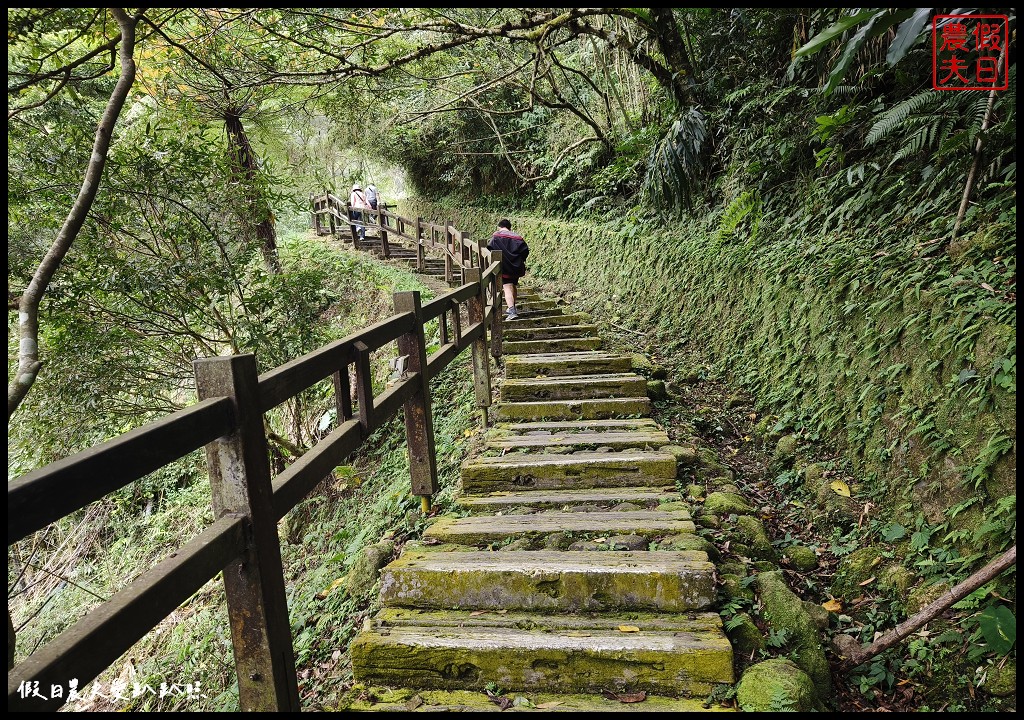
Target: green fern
x,y
744,205
929,122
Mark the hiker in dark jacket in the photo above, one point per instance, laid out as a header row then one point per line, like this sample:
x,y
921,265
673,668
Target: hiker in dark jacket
x,y
513,262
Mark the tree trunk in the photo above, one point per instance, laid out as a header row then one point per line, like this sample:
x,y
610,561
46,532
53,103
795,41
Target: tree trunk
x,y
248,169
670,42
28,304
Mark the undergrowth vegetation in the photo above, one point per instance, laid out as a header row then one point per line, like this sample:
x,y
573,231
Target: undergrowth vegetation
x,y
58,575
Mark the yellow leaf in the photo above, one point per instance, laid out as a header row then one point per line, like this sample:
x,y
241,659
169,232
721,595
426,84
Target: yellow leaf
x,y
832,605
628,628
840,488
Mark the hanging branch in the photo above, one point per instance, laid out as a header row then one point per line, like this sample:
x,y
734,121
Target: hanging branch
x,y
930,611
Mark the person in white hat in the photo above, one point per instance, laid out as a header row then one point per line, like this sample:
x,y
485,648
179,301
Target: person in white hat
x,y
357,205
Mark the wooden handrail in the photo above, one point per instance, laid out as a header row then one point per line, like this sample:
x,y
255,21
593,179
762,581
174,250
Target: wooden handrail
x,y
248,502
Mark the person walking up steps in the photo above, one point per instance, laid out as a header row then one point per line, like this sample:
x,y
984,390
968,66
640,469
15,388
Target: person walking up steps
x,y
359,206
514,251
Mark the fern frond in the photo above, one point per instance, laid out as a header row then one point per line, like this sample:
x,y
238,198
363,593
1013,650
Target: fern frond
x,y
890,120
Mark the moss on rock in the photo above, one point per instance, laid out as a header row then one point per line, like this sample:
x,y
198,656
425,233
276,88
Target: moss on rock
x,y
720,503
802,558
784,611
776,685
854,569
366,569
746,636
752,533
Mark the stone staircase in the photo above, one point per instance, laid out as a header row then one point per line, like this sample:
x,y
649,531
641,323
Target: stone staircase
x,y
552,588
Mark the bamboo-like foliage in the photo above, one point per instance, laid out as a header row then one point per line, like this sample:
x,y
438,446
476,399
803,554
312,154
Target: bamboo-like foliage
x,y
676,163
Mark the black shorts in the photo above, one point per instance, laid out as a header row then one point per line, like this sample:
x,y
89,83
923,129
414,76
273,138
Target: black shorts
x,y
509,280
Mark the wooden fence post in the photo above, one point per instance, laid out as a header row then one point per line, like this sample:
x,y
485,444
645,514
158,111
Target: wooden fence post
x,y
481,363
449,261
383,229
496,297
419,424
421,258
254,583
342,395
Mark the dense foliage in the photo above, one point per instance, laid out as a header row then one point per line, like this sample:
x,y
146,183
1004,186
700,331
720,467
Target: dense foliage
x,y
791,171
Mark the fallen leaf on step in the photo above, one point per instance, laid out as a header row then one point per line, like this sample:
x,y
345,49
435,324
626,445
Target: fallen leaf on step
x,y
625,697
840,488
867,582
477,612
832,605
545,706
414,702
628,628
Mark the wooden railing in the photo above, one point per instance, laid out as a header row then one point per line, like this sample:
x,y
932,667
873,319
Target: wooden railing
x,y
228,421
330,214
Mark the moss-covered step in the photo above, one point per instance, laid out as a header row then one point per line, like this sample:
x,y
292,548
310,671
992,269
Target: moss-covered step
x,y
573,387
527,314
536,304
515,331
550,471
597,498
550,581
554,345
369,698
597,409
688,659
533,321
612,424
566,363
542,440
482,529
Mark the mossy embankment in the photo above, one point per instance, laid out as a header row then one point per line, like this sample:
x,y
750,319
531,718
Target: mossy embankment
x,y
897,348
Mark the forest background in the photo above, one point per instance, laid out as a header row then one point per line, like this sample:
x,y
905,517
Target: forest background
x,y
832,236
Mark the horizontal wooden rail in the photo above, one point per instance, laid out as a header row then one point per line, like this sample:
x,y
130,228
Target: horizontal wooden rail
x,y
248,501
89,646
58,489
293,377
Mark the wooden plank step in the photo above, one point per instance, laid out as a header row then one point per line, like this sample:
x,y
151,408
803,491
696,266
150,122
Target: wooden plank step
x,y
689,659
598,409
609,385
483,529
548,346
586,362
504,500
550,581
517,331
548,471
548,439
